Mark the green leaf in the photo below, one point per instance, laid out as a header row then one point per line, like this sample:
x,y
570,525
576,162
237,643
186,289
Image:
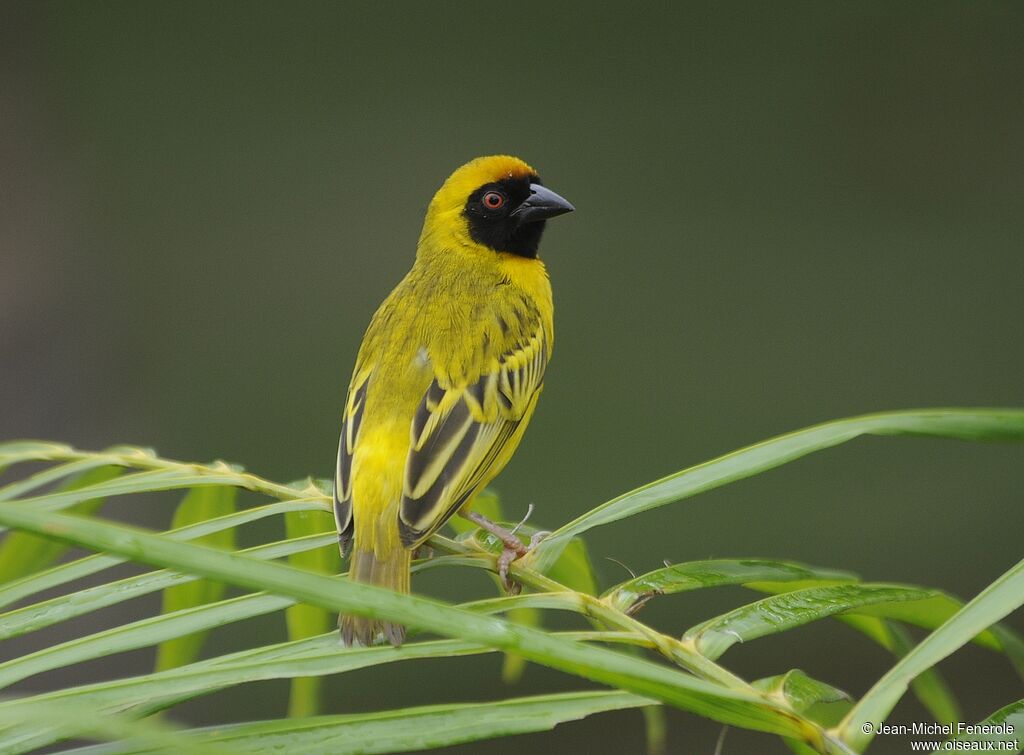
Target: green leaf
x,y
20,589
149,631
146,632
929,613
22,554
305,620
735,706
198,505
513,666
655,729
317,656
996,601
1005,726
929,686
66,720
785,611
965,424
574,568
421,728
88,599
800,691
1012,645
694,575
157,474
138,634
488,504
17,451
74,469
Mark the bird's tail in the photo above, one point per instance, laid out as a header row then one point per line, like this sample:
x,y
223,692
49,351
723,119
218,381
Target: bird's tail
x,y
391,572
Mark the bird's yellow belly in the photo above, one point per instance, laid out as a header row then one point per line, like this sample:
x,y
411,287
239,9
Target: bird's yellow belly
x,y
378,464
378,467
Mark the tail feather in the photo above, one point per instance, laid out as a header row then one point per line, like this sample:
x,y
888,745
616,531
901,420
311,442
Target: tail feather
x,y
391,572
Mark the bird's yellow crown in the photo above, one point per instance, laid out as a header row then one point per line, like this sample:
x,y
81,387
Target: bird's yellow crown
x,y
474,174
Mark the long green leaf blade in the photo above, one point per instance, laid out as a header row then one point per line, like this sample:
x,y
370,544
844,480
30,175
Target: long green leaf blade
x,y
78,469
420,728
65,720
929,686
736,706
49,612
198,505
800,690
143,633
152,630
992,604
305,620
319,656
134,457
22,554
694,575
61,575
964,424
1005,726
928,613
788,610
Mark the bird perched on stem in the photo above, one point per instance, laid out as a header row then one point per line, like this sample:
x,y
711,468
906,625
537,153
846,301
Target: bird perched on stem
x,y
447,377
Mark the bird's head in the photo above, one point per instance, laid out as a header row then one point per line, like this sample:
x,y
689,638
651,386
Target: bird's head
x,y
497,203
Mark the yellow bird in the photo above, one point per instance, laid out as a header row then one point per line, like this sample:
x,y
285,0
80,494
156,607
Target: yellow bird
x,y
447,377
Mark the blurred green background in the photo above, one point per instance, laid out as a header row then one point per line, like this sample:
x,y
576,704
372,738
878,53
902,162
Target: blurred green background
x,y
786,213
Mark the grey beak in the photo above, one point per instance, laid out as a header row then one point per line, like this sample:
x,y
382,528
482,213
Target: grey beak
x,y
541,205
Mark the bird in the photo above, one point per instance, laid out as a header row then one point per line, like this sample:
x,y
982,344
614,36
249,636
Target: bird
x,y
446,379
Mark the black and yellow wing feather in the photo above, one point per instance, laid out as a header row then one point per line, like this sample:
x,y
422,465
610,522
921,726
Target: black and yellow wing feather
x,y
463,434
343,473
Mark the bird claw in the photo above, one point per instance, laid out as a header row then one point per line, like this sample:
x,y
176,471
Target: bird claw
x,y
423,551
513,548
535,540
511,587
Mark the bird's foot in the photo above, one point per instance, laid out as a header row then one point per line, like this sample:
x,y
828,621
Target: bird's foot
x,y
513,548
423,551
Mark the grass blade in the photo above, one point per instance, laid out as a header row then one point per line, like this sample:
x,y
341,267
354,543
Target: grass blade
x,y
65,573
995,602
150,631
800,690
964,424
928,613
1005,727
317,656
741,706
694,575
143,633
305,620
49,612
22,554
929,687
788,610
67,721
78,469
420,728
198,505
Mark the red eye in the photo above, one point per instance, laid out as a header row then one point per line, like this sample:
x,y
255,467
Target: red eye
x,y
493,200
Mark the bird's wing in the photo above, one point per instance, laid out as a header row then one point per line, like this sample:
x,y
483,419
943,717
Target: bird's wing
x,y
346,446
460,435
